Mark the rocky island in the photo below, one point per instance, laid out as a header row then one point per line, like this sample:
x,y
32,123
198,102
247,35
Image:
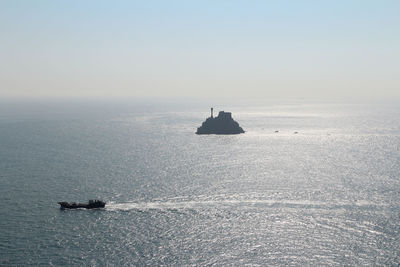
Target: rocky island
x,y
222,124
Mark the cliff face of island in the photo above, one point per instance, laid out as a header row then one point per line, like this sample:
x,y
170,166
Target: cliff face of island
x,y
222,124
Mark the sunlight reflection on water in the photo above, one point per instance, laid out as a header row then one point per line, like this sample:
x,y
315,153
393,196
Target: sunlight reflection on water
x,y
328,195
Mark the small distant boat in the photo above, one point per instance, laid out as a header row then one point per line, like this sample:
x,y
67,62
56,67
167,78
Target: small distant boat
x,y
92,204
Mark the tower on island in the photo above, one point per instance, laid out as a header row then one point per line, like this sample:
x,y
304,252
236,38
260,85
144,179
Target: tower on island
x,y
222,124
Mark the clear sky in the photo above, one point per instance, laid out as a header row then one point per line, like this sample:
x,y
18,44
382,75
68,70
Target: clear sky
x,y
249,48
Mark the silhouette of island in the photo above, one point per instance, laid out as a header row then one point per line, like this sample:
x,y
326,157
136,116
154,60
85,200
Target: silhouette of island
x,y
222,124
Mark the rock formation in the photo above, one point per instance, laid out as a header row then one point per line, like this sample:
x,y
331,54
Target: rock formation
x,y
222,124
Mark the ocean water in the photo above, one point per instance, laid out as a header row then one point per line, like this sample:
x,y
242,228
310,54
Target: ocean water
x,y
328,195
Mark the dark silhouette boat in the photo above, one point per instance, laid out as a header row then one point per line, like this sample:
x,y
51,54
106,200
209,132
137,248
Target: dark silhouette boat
x,y
92,204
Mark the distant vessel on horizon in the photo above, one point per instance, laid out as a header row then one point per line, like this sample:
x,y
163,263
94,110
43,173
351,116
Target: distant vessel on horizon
x,y
222,124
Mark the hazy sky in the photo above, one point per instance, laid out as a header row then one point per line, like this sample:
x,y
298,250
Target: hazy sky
x,y
253,49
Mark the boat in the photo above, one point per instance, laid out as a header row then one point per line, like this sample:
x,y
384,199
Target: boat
x,y
92,204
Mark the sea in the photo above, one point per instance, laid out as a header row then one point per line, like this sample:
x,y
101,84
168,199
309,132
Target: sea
x,y
307,184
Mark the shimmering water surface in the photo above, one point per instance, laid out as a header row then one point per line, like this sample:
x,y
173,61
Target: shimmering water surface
x,y
328,195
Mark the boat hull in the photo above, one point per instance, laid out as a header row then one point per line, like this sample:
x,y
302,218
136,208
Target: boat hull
x,y
90,205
